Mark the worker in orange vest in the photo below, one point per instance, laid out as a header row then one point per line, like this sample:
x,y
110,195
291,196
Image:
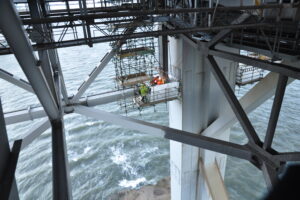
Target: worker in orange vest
x,y
160,81
154,80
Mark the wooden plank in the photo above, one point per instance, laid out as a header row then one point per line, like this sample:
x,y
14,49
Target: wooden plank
x,y
215,181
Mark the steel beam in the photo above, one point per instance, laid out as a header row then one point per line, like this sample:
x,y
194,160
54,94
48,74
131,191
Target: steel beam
x,y
200,141
42,35
223,33
6,191
24,115
254,141
81,41
163,55
53,56
7,187
270,175
60,164
137,7
285,70
93,75
234,102
47,71
15,80
93,100
288,156
261,92
280,90
105,60
128,13
61,182
19,43
35,132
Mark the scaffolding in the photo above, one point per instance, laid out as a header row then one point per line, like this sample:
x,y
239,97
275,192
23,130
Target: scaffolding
x,y
136,64
249,74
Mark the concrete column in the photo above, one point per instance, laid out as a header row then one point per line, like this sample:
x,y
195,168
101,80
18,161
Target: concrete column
x,y
202,101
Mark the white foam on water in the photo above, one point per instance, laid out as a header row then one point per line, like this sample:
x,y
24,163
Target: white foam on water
x,y
86,149
123,160
117,157
91,123
131,183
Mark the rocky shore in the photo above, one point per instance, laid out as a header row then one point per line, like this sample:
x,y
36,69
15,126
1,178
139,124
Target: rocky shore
x,y
159,191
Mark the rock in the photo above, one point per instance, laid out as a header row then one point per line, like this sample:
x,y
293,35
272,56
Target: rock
x,y
159,191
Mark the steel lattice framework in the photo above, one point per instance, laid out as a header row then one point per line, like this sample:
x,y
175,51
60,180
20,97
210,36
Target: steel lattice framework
x,y
51,24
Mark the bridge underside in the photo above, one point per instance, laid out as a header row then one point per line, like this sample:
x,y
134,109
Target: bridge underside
x,y
213,30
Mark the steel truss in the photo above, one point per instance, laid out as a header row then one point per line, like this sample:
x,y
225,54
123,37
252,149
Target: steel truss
x,y
72,27
46,81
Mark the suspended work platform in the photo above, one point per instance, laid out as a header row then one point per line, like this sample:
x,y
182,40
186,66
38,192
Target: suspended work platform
x,y
247,74
159,94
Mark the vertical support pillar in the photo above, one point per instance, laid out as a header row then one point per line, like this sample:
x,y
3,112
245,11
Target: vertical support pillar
x,y
163,54
4,162
61,183
202,101
60,164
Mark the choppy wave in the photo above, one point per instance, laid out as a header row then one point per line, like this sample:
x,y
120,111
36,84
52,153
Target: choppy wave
x,y
131,183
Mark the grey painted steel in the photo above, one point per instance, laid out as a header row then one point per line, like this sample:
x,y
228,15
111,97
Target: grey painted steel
x,y
61,182
81,41
261,92
149,12
263,156
47,71
4,160
19,43
50,60
8,190
288,156
93,100
105,60
280,90
163,53
15,80
53,56
106,98
234,102
84,86
200,141
279,68
270,175
24,115
42,36
60,165
241,115
38,112
223,33
35,132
